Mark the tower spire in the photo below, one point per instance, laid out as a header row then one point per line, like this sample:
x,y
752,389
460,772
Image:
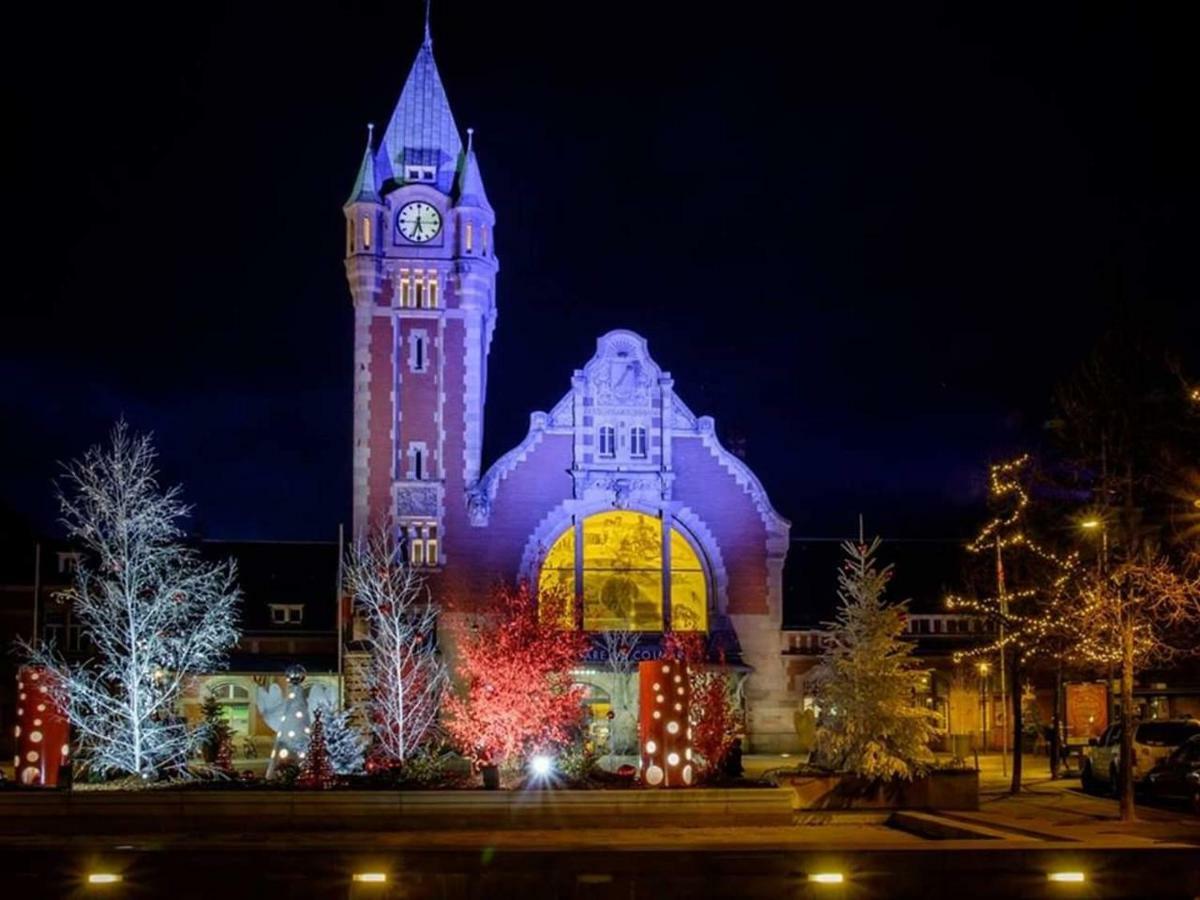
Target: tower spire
x,y
428,35
366,188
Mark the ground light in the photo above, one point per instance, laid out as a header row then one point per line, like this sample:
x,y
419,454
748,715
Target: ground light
x,y
541,766
103,878
826,877
371,877
1067,877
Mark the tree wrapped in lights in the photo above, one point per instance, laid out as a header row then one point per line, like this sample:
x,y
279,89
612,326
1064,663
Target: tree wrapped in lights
x,y
517,693
1030,608
620,650
343,740
316,769
714,714
867,681
1140,612
155,613
406,675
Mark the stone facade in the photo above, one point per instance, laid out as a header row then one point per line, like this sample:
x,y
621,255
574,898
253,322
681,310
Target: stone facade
x,y
621,439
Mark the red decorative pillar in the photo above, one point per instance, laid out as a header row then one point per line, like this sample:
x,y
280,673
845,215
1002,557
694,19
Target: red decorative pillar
x,y
42,732
665,737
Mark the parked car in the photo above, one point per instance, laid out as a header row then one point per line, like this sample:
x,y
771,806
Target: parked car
x,y
1153,741
1178,776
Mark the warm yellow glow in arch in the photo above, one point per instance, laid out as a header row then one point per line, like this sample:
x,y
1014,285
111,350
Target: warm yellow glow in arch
x,y
625,572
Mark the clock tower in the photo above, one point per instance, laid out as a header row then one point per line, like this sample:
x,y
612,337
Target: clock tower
x,y
421,267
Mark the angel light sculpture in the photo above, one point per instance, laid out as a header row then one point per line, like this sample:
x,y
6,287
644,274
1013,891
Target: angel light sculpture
x,y
289,713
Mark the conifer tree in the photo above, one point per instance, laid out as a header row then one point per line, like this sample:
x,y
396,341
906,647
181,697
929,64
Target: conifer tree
x,y
867,681
316,771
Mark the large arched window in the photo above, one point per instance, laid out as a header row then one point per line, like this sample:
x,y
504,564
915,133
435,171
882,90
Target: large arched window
x,y
633,572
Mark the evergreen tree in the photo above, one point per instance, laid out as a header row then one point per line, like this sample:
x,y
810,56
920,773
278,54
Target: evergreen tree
x,y
215,730
867,681
344,741
316,771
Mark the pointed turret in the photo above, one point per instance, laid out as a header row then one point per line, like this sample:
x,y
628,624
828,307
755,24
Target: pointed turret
x,y
470,181
421,143
366,186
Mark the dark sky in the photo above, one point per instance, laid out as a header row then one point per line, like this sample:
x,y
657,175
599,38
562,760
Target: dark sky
x,y
868,240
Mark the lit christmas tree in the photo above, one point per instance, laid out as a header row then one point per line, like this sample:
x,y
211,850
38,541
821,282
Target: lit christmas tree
x,y
867,681
316,771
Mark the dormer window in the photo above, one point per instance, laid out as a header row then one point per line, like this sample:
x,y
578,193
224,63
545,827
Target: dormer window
x,y
287,613
366,232
420,173
469,237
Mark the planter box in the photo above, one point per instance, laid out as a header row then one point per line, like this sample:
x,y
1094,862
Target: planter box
x,y
955,789
103,812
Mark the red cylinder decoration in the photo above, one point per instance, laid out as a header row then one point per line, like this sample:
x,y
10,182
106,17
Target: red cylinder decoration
x,y
42,732
665,737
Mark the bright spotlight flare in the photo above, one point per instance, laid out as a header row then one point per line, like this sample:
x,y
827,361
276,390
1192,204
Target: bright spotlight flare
x,y
541,766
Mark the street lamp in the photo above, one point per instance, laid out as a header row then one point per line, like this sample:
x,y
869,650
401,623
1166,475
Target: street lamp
x,y
984,669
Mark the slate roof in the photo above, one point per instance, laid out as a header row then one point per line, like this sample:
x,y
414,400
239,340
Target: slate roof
x,y
366,186
470,182
283,572
422,120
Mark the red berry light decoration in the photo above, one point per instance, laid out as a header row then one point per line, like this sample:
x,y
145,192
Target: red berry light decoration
x,y
41,731
665,753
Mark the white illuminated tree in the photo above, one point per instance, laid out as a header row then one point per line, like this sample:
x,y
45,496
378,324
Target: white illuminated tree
x,y
407,677
620,648
155,613
867,682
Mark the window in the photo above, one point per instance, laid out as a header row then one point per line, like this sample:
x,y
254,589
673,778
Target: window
x,y
420,173
417,350
417,460
230,692
422,542
608,441
405,288
366,232
432,291
419,290
626,571
349,236
637,442
1165,734
485,240
469,237
287,613
68,562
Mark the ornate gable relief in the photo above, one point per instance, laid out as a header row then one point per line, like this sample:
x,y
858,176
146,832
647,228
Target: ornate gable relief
x,y
621,377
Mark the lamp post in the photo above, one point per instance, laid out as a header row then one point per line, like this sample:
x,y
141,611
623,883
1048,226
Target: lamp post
x,y
984,668
1098,524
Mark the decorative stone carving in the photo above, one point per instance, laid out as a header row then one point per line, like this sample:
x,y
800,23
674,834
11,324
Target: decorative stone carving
x,y
479,507
416,500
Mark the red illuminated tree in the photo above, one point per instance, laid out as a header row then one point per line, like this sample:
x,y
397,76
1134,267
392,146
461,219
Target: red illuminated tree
x,y
713,715
317,769
516,695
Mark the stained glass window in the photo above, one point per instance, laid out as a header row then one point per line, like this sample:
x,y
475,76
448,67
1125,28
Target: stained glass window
x,y
623,574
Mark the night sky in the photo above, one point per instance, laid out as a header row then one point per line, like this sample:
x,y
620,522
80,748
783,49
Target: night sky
x,y
868,240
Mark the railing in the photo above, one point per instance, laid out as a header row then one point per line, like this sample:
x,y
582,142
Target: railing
x,y
920,627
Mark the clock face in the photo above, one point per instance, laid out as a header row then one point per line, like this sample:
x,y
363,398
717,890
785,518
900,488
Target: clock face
x,y
419,221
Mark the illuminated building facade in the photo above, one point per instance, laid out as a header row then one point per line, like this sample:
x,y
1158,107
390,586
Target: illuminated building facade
x,y
620,496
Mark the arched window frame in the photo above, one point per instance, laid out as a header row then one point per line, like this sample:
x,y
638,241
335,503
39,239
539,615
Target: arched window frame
x,y
669,524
